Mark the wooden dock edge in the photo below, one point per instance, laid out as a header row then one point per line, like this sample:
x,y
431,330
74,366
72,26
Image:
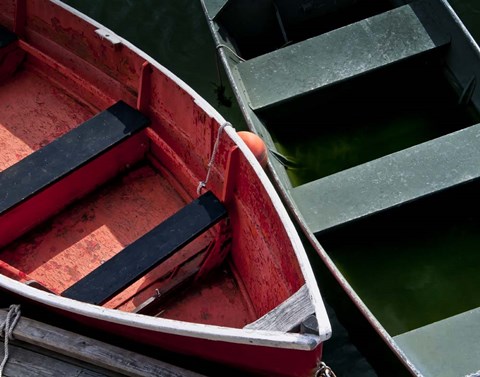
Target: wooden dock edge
x,y
91,351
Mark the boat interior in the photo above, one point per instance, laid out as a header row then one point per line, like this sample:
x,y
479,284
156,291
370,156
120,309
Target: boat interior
x,y
372,109
81,235
100,162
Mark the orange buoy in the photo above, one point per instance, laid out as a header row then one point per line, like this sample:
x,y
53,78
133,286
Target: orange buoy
x,y
256,145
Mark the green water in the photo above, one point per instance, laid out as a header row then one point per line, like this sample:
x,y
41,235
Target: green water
x,y
367,119
469,12
416,264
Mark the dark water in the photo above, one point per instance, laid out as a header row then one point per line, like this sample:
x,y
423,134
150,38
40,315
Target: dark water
x,y
469,12
374,116
424,254
175,33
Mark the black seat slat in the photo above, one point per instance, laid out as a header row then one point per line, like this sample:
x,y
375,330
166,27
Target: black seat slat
x,y
67,153
147,252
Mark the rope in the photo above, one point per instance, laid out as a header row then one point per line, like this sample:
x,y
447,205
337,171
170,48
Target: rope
x,y
217,65
324,371
221,45
6,331
475,374
202,184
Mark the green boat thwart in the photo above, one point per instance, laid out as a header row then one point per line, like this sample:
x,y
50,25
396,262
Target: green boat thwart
x,y
371,112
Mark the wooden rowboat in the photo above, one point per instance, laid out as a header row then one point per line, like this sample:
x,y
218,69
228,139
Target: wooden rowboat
x,y
370,110
130,205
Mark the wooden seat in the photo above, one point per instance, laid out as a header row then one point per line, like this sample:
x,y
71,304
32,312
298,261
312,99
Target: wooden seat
x,y
69,167
149,251
432,348
67,153
339,55
390,181
289,315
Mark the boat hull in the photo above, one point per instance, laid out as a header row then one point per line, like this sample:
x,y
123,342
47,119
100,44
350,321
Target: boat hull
x,y
162,149
184,349
301,88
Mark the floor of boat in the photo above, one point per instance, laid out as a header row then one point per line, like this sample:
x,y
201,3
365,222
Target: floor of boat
x,y
66,248
416,264
216,300
388,111
34,112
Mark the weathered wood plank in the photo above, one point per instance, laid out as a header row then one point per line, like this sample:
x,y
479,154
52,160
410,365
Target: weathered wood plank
x,y
291,313
28,363
78,147
149,251
91,351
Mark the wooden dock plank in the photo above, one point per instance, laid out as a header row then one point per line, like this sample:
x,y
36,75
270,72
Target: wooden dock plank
x,y
29,363
80,349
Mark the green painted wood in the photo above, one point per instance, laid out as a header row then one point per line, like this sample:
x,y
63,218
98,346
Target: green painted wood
x,y
390,181
336,56
448,348
213,7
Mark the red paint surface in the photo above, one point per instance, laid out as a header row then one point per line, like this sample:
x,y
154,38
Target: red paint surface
x,y
216,299
37,208
80,238
34,112
265,361
7,11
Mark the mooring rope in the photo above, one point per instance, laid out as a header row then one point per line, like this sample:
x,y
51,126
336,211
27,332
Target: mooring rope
x,y
6,331
202,184
475,374
324,371
221,45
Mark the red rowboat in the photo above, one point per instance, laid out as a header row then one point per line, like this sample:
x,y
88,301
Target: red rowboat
x,y
128,204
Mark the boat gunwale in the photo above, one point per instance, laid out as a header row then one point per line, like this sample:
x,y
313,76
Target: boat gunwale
x,y
274,339
472,42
